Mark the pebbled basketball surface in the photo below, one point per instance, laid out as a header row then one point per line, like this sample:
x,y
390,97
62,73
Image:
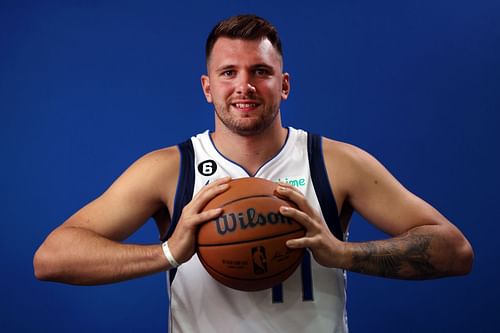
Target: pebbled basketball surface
x,y
245,247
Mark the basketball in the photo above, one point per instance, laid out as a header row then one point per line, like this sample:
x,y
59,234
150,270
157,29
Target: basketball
x,y
244,248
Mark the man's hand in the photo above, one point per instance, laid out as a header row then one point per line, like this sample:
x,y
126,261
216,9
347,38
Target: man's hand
x,y
423,252
182,243
327,250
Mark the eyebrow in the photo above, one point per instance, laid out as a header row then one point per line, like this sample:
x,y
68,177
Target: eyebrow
x,y
228,67
224,68
262,66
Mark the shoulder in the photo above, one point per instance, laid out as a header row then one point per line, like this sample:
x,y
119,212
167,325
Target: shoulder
x,y
162,161
351,167
163,156
345,154
165,166
154,175
340,151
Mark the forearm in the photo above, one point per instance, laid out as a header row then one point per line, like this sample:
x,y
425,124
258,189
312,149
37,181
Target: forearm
x,y
422,253
79,256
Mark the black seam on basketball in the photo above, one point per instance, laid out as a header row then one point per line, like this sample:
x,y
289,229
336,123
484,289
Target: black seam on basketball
x,y
250,196
252,240
297,262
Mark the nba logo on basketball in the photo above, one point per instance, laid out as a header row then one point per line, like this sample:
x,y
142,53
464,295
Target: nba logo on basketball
x,y
259,260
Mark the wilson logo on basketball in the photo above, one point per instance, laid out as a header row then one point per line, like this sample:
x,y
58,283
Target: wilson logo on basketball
x,y
249,219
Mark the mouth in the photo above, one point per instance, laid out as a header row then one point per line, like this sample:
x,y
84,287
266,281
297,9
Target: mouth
x,y
246,107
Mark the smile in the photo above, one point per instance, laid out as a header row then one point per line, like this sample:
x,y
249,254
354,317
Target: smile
x,y
245,105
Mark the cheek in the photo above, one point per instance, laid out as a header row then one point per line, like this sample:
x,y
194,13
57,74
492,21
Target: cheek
x,y
221,91
273,91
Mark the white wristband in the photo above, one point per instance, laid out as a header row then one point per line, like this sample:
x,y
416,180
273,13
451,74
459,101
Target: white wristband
x,y
170,258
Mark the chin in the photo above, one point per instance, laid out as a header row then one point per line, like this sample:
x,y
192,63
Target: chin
x,y
247,125
248,129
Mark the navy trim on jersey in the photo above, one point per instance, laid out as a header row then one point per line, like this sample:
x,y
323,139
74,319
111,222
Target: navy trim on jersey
x,y
185,184
306,275
240,166
278,293
184,190
322,186
171,275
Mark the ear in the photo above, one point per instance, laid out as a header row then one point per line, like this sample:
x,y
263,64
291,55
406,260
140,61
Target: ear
x,y
285,86
205,85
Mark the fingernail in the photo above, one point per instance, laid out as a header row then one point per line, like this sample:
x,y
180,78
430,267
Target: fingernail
x,y
284,209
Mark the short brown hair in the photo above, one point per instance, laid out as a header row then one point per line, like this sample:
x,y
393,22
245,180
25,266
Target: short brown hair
x,y
248,27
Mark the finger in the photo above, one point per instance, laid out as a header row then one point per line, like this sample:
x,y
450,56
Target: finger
x,y
220,181
281,190
299,243
197,219
216,183
296,197
208,214
288,186
298,216
206,194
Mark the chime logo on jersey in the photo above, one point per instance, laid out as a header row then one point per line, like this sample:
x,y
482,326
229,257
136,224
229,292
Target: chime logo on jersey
x,y
207,167
294,181
259,260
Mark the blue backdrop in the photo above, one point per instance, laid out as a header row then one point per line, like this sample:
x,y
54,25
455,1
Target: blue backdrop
x,y
87,87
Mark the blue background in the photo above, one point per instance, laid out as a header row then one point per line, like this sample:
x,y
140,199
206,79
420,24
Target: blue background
x,y
87,87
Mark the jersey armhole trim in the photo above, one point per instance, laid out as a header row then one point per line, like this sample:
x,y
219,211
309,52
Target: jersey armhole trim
x,y
321,184
185,184
183,192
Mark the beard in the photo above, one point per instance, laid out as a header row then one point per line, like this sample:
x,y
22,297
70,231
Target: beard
x,y
246,126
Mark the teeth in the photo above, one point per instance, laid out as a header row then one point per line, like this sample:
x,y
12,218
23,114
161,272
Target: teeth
x,y
243,105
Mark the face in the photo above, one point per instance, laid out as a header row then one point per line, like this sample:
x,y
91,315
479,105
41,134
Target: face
x,y
246,84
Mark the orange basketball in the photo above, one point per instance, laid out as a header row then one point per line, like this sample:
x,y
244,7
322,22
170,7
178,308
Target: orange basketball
x,y
245,247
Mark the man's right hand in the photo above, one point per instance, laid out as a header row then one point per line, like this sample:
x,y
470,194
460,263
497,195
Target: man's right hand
x,y
182,243
89,248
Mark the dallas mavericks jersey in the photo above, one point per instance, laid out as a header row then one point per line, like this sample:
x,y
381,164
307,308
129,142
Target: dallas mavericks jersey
x,y
312,299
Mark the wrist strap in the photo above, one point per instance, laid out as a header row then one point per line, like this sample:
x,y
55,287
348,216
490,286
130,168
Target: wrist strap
x,y
170,258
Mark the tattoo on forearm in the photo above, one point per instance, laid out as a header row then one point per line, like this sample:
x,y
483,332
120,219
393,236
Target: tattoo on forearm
x,y
404,257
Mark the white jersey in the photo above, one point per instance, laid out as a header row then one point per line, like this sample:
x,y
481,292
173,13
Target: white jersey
x,y
312,299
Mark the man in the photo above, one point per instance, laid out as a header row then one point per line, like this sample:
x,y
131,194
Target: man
x,y
246,83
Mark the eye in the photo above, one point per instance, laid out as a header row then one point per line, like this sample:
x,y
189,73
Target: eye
x,y
262,72
228,73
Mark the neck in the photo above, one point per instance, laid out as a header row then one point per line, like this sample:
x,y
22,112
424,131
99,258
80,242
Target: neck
x,y
251,152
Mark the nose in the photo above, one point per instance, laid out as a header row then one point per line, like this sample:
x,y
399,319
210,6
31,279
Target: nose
x,y
244,85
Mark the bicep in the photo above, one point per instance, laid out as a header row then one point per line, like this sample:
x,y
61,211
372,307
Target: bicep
x,y
392,208
114,216
379,197
130,201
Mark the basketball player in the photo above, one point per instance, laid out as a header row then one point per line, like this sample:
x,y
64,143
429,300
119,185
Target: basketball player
x,y
246,84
